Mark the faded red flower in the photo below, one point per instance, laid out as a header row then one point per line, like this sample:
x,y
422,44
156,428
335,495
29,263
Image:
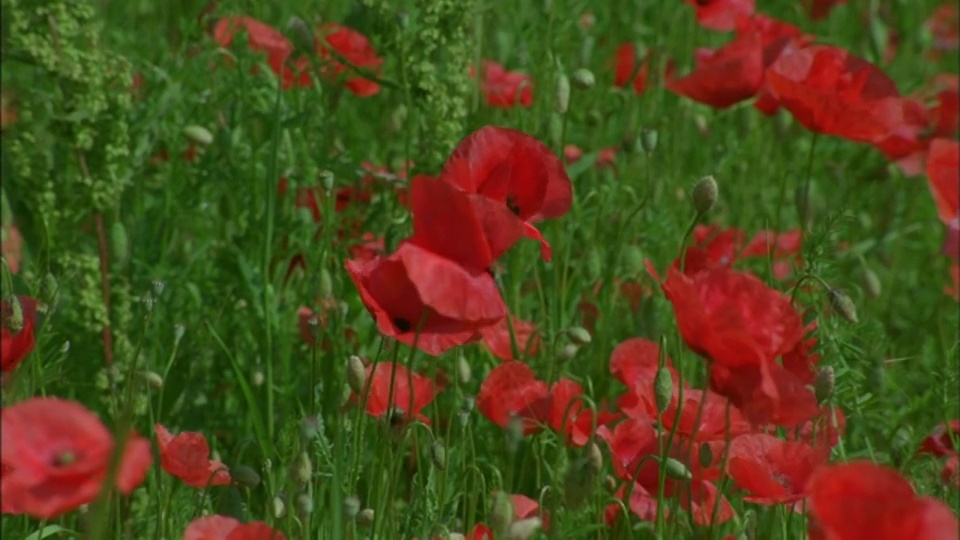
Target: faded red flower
x,y
227,528
830,91
421,298
774,471
14,347
264,38
187,457
10,247
410,394
861,500
505,89
721,14
58,455
726,76
356,49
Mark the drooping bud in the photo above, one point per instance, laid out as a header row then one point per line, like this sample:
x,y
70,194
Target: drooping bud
x,y
567,353
438,454
198,134
524,529
676,469
578,335
152,379
351,506
258,378
304,504
871,282
13,316
705,194
563,93
663,388
300,34
303,469
705,455
463,370
356,375
501,514
843,305
366,517
583,79
824,384
648,139
245,476
278,508
703,127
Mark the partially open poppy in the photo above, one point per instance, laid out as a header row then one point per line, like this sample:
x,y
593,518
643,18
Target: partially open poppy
x,y
187,457
356,49
505,89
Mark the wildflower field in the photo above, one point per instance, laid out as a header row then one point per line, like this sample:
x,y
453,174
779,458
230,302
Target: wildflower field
x,y
448,269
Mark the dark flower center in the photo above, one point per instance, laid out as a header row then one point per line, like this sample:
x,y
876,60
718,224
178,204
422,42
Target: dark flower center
x,y
64,459
512,205
402,324
396,416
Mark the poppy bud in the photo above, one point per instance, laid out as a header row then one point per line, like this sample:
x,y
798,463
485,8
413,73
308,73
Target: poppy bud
x,y
705,455
13,317
610,483
555,128
245,476
178,331
365,517
303,469
463,370
152,379
119,244
279,509
843,305
578,335
701,124
663,389
524,528
676,469
586,50
327,180
438,454
583,79
258,378
456,536
356,375
871,282
563,94
648,139
824,384
198,134
501,514
568,352
304,504
300,34
705,193
351,506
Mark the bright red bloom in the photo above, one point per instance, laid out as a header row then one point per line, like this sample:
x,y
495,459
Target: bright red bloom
x,y
356,49
940,442
10,246
513,169
505,89
511,389
227,528
264,38
411,392
58,455
626,65
774,471
943,169
943,23
725,76
863,500
498,341
187,457
721,14
15,347
417,296
820,9
830,91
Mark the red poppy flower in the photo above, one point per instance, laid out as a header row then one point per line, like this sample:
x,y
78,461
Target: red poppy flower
x,y
505,89
725,76
187,457
717,247
499,343
774,471
802,361
10,246
356,49
943,23
861,500
943,169
951,471
562,410
944,112
940,442
511,389
264,38
60,454
830,91
641,503
766,394
411,392
951,241
417,296
635,362
15,347
721,14
227,528
820,9
626,65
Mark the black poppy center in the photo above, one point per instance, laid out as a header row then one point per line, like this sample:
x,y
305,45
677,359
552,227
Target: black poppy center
x,y
513,206
402,324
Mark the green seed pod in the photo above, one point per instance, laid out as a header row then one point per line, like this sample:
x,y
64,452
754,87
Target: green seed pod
x,y
648,139
843,305
356,374
199,135
578,335
705,194
676,469
563,94
583,79
119,244
663,388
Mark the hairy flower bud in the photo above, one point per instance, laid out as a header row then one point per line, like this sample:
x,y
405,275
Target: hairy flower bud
x,y
843,305
705,194
583,79
198,134
356,375
563,94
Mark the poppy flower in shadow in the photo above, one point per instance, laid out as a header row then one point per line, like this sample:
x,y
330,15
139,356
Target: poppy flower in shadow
x,y
504,89
627,71
943,169
511,389
726,76
263,38
411,392
356,49
187,457
499,342
820,9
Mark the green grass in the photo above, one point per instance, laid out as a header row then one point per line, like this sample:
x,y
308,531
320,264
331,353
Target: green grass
x,y
197,289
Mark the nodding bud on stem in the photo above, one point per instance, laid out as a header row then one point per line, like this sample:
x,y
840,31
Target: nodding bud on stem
x,y
351,506
245,476
279,509
705,194
663,389
198,134
356,375
583,79
648,139
464,373
871,282
568,352
676,469
365,517
563,93
843,305
438,454
300,33
13,316
578,335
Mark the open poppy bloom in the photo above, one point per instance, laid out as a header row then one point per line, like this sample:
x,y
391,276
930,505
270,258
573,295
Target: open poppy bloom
x,y
511,389
227,528
863,500
411,392
625,65
776,38
943,168
515,170
16,344
726,76
505,89
833,92
419,297
356,49
187,457
773,470
266,39
57,454
721,14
